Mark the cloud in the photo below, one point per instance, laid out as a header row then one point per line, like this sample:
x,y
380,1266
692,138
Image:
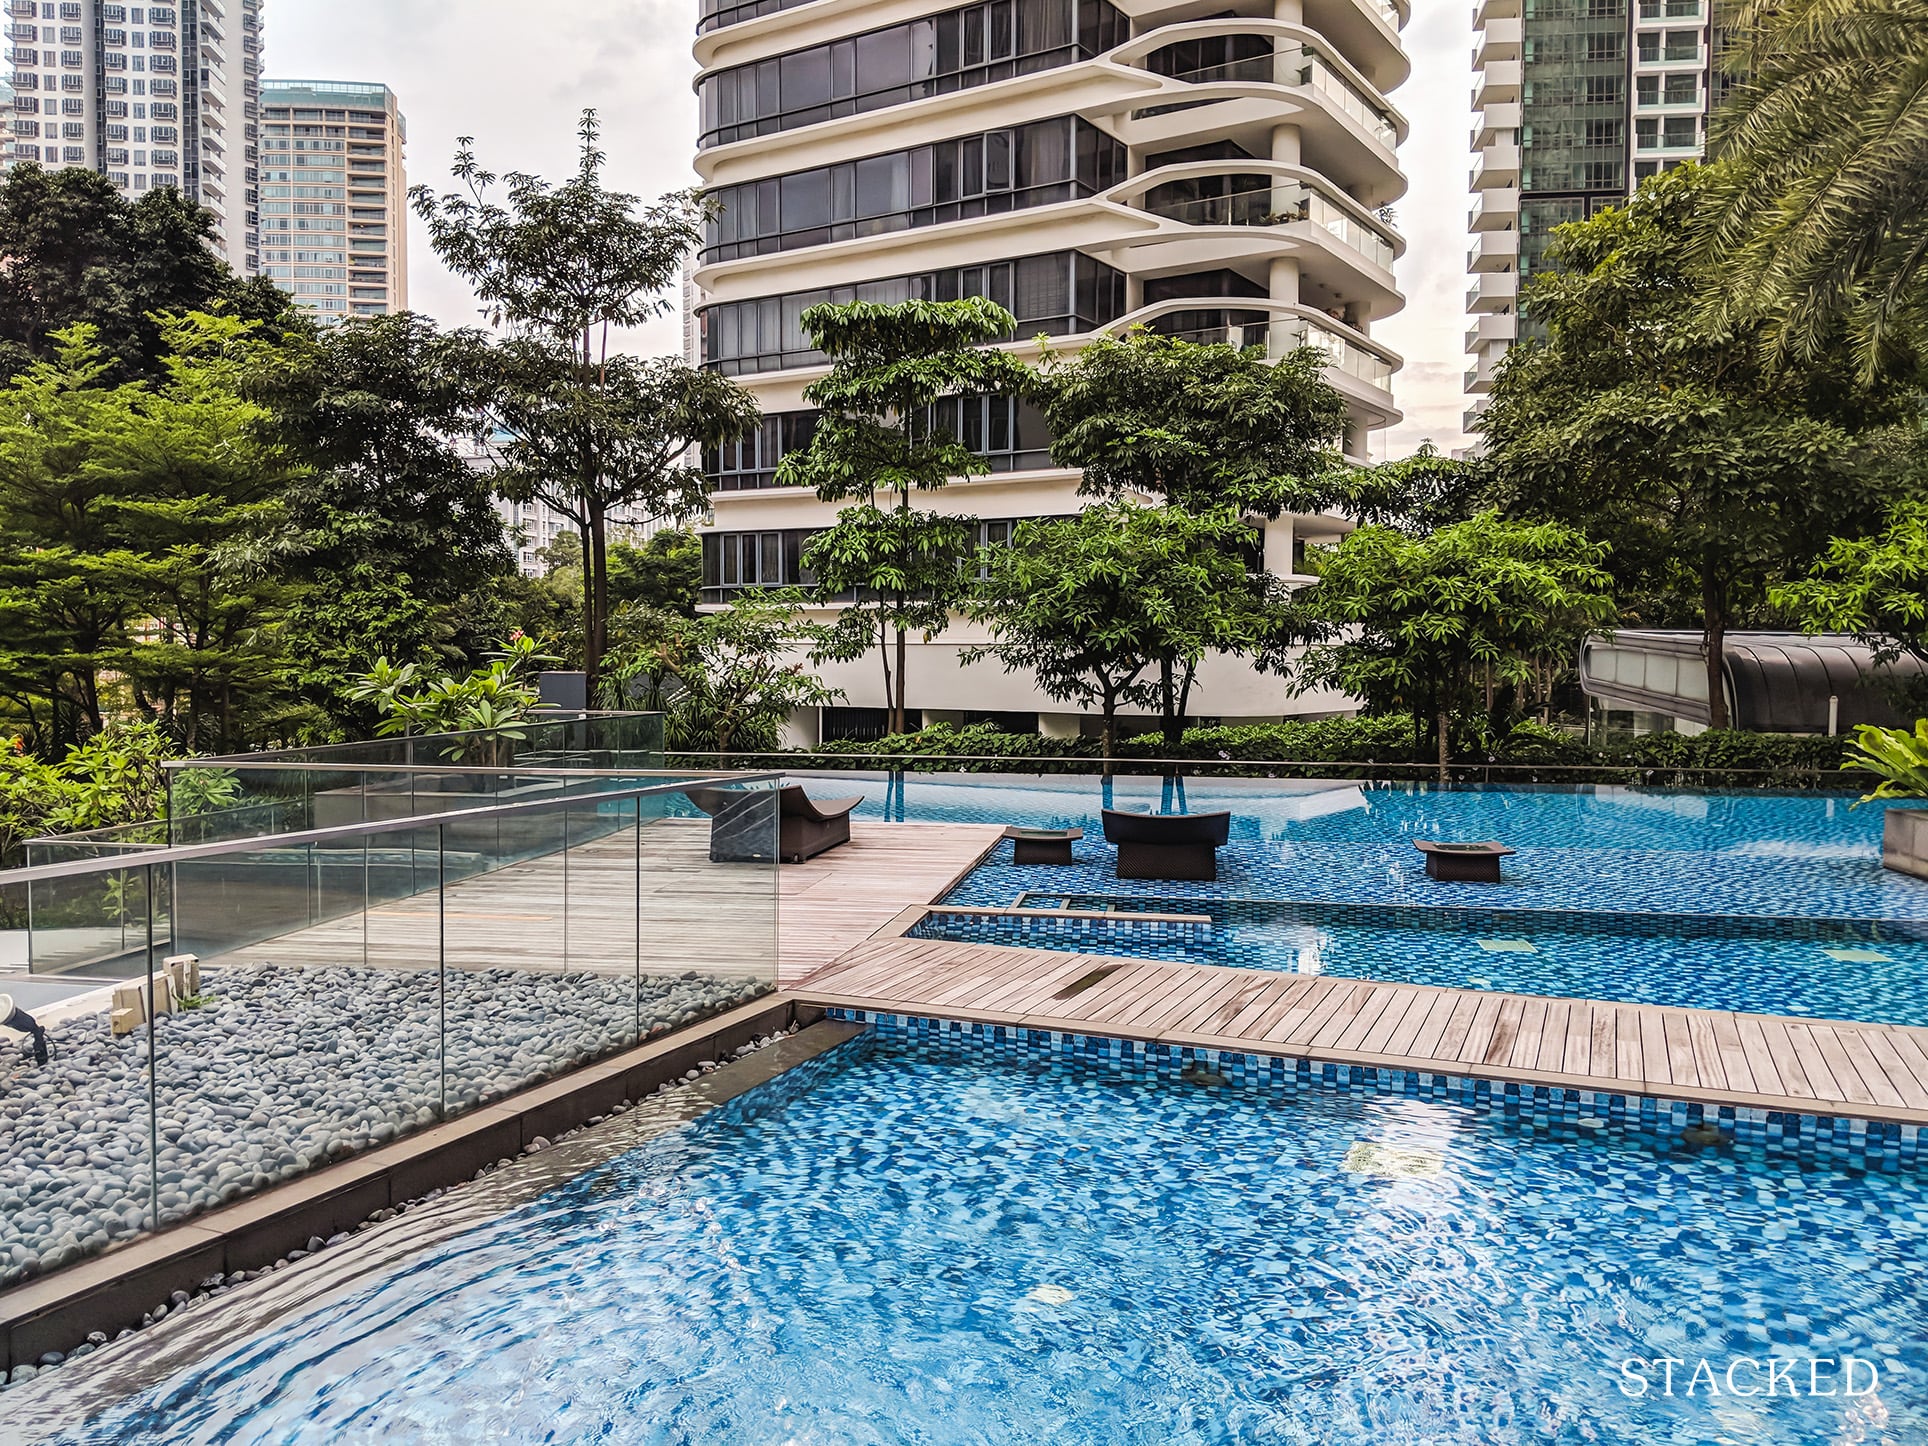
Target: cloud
x,y
515,76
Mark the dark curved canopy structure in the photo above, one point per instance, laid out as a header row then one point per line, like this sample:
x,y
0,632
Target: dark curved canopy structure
x,y
1776,682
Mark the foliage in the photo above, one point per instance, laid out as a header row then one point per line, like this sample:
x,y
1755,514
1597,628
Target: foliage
x,y
1090,603
1873,587
560,265
1819,219
389,529
878,434
73,252
1665,436
665,572
1417,623
491,702
904,568
726,679
1198,427
115,778
1896,756
1380,745
138,534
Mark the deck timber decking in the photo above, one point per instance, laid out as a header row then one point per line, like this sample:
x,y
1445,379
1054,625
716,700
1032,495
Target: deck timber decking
x,y
1801,1066
538,915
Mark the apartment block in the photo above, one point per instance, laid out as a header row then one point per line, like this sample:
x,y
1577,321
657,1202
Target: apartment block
x,y
1577,102
149,96
334,196
1212,171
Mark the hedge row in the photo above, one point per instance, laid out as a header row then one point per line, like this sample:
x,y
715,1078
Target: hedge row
x,y
1383,746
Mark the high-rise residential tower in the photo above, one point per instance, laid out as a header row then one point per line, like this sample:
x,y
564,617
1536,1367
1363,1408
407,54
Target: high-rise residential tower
x,y
1577,102
148,95
1220,172
334,196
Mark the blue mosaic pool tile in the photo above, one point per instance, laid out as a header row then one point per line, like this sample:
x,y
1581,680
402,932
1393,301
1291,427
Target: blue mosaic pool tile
x,y
1695,960
1845,1141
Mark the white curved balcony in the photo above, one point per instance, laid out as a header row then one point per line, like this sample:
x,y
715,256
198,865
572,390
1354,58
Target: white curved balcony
x,y
1272,195
1348,130
1360,368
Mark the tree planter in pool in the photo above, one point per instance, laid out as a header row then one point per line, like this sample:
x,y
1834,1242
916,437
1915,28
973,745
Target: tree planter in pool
x,y
1904,841
1468,863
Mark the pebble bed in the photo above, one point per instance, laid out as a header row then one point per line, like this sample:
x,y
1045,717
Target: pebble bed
x,y
216,1286
282,1070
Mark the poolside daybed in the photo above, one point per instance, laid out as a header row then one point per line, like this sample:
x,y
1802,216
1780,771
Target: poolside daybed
x,y
740,832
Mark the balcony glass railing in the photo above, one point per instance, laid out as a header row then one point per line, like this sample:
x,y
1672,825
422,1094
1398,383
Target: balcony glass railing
x,y
1308,69
1348,356
355,984
1280,206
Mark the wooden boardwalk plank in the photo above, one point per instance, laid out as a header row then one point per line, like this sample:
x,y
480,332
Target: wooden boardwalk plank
x,y
1709,1056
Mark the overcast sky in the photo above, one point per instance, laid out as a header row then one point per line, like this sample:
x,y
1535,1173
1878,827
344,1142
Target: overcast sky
x,y
514,76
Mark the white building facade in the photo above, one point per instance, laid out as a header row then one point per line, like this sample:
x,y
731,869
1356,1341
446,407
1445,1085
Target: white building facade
x,y
334,196
1576,103
148,95
1215,172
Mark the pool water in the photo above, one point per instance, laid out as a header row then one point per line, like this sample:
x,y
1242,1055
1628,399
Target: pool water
x,y
1595,848
1874,971
951,1250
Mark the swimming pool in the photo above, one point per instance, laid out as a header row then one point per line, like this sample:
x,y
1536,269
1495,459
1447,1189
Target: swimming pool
x,y
1871,970
1608,848
945,1249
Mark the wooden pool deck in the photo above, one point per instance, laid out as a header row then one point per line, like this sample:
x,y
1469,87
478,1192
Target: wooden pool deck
x,y
842,915
543,914
1719,1057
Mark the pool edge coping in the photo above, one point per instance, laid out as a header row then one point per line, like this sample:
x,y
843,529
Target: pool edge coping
x,y
111,1291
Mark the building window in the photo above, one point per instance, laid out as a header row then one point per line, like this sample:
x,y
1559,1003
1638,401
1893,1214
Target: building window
x,y
953,51
978,175
1058,294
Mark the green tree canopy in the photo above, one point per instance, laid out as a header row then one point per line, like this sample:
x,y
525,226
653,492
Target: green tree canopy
x,y
879,435
622,443
665,571
1641,424
391,529
74,252
561,266
1419,622
1873,587
1197,426
1818,215
1091,604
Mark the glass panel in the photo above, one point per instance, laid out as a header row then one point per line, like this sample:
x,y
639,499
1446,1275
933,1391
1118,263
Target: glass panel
x,y
76,1130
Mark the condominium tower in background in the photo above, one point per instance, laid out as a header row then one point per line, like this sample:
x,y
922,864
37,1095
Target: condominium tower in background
x,y
1576,102
1215,171
148,95
334,196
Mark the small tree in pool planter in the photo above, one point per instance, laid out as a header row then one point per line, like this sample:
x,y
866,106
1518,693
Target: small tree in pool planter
x,y
1415,622
1092,603
878,440
1200,428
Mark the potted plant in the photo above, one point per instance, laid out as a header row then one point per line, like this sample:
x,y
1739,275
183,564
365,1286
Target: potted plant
x,y
1900,760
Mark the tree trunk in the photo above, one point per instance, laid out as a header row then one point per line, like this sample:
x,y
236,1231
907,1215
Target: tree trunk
x,y
899,724
1713,601
588,596
1108,731
883,651
1445,743
595,593
1168,704
1185,699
